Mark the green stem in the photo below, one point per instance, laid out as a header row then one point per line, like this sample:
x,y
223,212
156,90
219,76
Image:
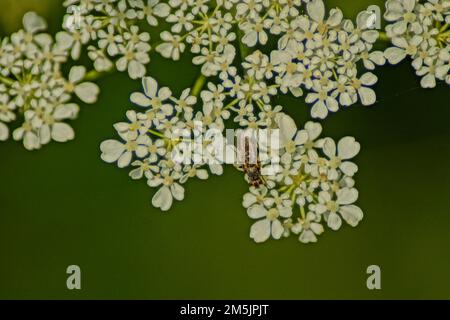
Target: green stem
x,y
302,212
383,37
198,85
156,133
6,81
243,49
95,75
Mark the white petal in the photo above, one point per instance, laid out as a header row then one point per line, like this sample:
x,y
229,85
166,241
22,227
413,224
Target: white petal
x,y
33,23
87,92
316,10
202,174
367,96
260,231
140,99
150,86
111,150
335,17
378,57
136,174
351,214
329,148
65,111
30,141
76,74
347,196
334,221
164,93
409,4
124,159
248,200
317,228
319,110
161,10
428,81
62,132
394,55
250,38
285,212
177,191
369,79
287,126
4,132
307,236
162,199
348,147
45,134
277,229
256,212
301,137
136,70
314,130
349,168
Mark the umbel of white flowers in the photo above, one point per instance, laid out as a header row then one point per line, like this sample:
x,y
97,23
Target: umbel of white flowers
x,y
420,31
320,54
32,86
317,52
311,186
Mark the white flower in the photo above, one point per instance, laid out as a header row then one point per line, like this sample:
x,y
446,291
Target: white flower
x,y
342,206
209,62
169,190
74,42
152,10
109,40
308,229
134,58
34,85
321,99
255,196
419,30
122,153
172,47
254,33
86,91
316,10
347,148
154,97
290,137
270,225
27,133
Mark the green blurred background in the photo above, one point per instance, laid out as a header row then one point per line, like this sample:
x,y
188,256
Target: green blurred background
x,y
62,205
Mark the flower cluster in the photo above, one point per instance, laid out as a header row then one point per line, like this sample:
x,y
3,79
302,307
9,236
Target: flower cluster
x,y
33,87
151,139
313,185
298,183
420,31
328,56
299,170
112,30
206,27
